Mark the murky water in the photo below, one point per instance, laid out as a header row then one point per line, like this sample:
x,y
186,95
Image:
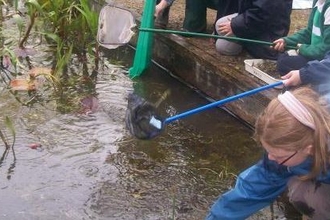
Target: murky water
x,y
90,167
86,165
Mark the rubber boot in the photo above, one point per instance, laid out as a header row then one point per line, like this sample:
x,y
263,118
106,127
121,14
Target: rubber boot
x,y
195,16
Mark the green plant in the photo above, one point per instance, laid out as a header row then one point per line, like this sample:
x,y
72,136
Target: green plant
x,y
69,28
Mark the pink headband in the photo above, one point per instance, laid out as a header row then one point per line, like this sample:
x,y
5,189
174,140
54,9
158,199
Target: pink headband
x,y
297,109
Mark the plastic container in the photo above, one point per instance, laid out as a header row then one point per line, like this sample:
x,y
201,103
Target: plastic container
x,y
251,65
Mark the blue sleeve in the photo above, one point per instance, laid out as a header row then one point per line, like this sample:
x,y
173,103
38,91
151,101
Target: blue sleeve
x,y
316,72
255,189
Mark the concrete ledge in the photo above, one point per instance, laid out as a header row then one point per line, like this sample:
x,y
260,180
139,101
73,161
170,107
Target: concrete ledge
x,y
195,61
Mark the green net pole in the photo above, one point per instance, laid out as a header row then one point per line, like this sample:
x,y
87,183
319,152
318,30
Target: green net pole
x,y
193,34
143,51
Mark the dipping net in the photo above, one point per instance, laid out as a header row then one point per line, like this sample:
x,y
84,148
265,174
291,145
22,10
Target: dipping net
x,y
139,113
115,27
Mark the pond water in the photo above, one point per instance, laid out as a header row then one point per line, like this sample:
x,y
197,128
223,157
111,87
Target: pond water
x,y
84,164
89,167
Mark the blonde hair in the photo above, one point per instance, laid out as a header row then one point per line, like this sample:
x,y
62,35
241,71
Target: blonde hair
x,y
278,128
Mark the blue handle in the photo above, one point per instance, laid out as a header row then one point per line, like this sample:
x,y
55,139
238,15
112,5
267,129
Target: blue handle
x,y
221,102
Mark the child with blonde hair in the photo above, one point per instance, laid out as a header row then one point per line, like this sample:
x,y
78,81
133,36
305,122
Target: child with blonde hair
x,y
294,131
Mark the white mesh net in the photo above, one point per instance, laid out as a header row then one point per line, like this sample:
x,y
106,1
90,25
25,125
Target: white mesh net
x,y
115,27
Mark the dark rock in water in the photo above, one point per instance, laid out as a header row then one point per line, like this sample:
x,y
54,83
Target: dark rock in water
x,y
138,115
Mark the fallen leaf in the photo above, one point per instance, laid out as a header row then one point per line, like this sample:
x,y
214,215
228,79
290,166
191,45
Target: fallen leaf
x,y
22,85
34,146
36,71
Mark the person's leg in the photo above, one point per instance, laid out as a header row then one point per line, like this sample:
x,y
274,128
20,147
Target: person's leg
x,y
286,63
223,8
162,11
195,16
310,198
226,47
226,7
212,4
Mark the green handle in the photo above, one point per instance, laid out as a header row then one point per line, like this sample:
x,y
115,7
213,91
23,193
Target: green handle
x,y
210,36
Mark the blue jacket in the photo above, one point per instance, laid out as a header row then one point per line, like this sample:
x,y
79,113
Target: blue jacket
x,y
317,73
256,188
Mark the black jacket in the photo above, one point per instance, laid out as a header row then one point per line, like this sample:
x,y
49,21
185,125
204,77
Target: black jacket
x,y
265,20
226,7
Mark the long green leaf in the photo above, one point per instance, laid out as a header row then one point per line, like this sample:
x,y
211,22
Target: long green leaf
x,y
35,4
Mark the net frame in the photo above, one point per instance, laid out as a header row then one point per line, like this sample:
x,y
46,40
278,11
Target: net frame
x,y
115,26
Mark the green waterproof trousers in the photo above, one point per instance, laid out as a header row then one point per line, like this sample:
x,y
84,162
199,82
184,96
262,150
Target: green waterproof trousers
x,y
195,14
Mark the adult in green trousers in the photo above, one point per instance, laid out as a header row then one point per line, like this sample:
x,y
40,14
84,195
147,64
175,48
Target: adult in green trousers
x,y
196,14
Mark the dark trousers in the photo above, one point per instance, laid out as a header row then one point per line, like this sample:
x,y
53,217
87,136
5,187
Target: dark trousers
x,y
195,14
286,63
226,7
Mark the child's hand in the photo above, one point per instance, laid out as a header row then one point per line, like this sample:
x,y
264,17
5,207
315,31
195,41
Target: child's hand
x,y
225,29
279,44
292,78
160,8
